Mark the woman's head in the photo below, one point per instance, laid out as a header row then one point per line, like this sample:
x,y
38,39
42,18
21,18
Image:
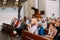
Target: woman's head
x,y
51,25
53,21
33,21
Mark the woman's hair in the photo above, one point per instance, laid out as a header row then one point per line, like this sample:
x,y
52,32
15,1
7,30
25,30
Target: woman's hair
x,y
51,24
33,20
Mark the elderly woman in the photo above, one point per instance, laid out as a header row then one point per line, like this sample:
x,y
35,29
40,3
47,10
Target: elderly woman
x,y
33,26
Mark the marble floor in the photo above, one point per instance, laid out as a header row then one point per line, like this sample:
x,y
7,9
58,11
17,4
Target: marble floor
x,y
3,36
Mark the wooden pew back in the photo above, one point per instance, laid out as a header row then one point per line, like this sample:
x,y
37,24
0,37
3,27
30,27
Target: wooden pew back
x,y
8,29
29,36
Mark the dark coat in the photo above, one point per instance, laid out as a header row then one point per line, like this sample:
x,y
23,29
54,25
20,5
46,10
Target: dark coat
x,y
57,37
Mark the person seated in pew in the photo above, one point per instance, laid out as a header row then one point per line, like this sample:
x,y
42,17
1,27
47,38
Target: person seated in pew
x,y
19,26
33,26
41,30
36,28
27,20
13,20
53,21
16,26
52,31
49,21
44,24
57,37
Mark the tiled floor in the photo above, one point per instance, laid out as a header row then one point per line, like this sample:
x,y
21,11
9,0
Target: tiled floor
x,y
3,36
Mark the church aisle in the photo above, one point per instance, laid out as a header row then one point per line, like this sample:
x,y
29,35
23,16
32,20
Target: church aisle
x,y
3,36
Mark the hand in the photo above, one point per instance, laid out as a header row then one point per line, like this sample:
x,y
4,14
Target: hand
x,y
29,25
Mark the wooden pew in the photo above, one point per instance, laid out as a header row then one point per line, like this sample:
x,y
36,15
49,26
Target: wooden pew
x,y
8,29
29,36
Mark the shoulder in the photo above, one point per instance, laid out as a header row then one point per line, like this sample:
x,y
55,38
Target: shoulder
x,y
55,29
35,25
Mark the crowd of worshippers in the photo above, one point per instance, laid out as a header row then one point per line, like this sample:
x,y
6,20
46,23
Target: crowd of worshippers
x,y
37,26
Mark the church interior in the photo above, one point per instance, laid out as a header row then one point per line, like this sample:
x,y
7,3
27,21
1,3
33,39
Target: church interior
x,y
29,19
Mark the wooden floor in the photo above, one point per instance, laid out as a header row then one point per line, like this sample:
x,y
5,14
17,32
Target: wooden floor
x,y
3,36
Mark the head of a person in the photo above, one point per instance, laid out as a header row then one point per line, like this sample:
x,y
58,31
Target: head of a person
x,y
33,21
27,17
20,19
43,21
15,19
54,21
57,24
46,18
39,25
51,26
53,14
59,21
50,20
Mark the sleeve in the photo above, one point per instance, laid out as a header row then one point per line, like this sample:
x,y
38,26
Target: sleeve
x,y
32,29
42,31
55,32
